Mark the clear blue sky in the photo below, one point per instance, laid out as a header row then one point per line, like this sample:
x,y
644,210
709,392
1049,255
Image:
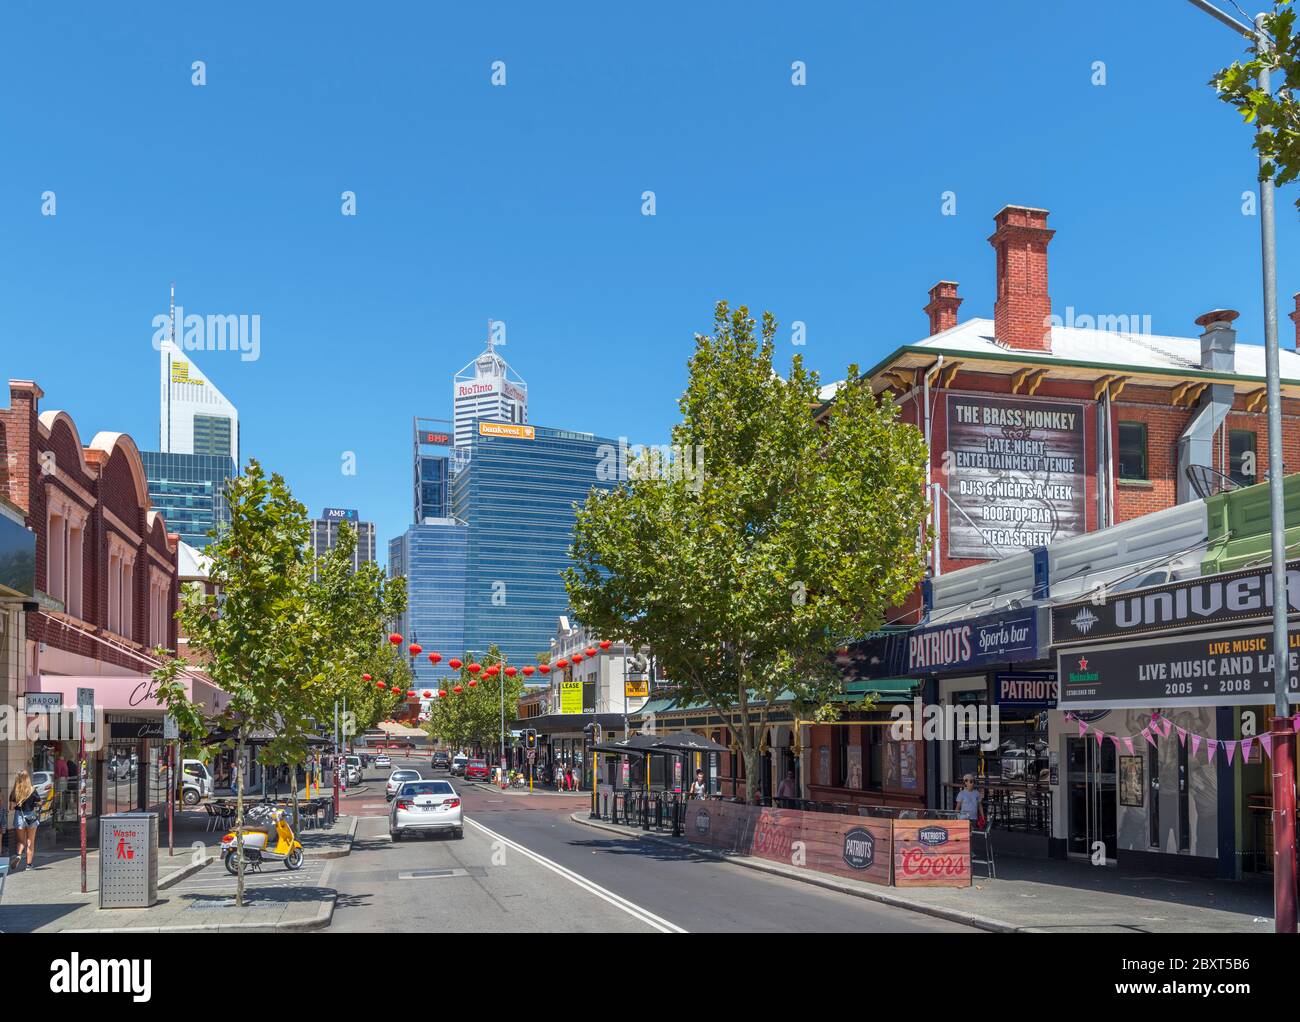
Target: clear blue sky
x,y
523,203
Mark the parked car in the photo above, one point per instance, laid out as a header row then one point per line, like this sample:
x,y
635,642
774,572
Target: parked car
x,y
382,762
396,779
458,765
441,760
425,805
476,770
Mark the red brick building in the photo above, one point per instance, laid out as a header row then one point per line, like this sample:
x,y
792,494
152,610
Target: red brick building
x,y
1042,425
106,595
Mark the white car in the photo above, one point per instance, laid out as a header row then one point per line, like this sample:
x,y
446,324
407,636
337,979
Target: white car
x,y
396,779
383,761
425,805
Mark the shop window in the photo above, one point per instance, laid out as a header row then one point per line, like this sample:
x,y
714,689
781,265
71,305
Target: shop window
x,y
1184,810
1153,793
842,757
875,745
1133,451
76,553
1241,456
55,542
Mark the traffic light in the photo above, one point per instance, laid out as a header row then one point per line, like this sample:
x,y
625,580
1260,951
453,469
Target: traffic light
x,y
530,738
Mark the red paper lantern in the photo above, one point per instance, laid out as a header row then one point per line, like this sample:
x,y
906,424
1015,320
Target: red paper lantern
x,y
366,677
379,684
434,657
511,672
415,649
442,693
493,671
591,651
545,668
395,639
473,682
410,693
474,668
454,664
605,644
561,663
428,694
577,658
528,670
458,690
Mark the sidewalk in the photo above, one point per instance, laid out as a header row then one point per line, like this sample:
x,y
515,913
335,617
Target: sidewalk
x,y
195,892
537,790
1041,896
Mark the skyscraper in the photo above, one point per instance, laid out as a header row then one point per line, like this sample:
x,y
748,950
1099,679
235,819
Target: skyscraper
x,y
431,556
432,469
198,442
325,534
487,388
516,495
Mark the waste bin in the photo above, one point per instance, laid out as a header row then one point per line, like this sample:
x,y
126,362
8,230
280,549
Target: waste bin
x,y
128,860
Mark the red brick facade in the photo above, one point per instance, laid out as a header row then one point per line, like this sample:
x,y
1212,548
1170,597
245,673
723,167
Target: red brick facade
x,y
100,551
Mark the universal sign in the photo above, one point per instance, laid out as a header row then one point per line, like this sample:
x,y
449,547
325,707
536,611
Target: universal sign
x,y
1215,599
996,638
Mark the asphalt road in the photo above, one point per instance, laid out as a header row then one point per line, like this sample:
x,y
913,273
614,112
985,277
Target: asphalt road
x,y
524,866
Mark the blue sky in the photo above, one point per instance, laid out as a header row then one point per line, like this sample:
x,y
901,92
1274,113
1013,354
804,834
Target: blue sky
x,y
523,203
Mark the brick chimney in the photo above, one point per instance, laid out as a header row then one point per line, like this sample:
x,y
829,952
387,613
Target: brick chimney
x,y
1022,312
1295,318
19,453
942,309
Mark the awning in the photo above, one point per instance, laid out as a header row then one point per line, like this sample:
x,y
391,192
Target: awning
x,y
888,690
687,741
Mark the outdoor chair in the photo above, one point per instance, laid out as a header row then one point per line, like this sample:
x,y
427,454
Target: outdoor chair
x,y
985,837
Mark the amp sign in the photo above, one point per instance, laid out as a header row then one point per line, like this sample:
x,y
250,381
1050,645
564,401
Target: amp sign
x,y
340,514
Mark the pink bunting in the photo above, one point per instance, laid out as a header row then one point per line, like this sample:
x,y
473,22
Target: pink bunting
x,y
1230,748
1211,747
1115,741
1099,735
1182,737
1246,744
1267,742
1146,733
1083,729
1196,744
1169,725
1128,745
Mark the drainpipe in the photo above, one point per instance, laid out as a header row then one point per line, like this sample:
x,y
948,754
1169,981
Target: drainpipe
x,y
1218,354
931,489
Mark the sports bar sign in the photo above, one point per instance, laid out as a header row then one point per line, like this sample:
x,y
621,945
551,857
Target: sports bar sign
x,y
1223,668
1015,471
973,642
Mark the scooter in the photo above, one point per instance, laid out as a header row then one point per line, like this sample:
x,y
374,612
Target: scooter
x,y
268,837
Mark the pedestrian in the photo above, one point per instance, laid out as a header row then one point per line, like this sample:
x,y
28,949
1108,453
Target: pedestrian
x,y
788,788
968,801
26,807
697,785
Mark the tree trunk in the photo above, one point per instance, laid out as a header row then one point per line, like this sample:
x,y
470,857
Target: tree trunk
x,y
239,821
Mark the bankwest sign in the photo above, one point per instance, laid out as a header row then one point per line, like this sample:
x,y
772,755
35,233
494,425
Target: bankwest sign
x,y
1234,596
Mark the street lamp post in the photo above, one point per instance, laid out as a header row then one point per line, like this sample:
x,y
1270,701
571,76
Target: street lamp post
x,y
1282,730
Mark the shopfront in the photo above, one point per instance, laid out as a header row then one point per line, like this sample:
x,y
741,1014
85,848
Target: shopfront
x,y
1167,695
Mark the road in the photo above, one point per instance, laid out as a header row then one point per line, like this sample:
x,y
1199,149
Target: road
x,y
524,866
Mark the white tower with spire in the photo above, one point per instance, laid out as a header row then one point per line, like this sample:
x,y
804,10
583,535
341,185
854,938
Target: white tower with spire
x,y
194,416
487,388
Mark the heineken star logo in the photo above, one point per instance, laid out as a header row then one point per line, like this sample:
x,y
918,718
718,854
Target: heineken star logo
x,y
1083,663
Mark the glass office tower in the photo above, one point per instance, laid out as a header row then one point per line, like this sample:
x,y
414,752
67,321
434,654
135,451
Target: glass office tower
x,y
515,495
432,558
432,463
190,492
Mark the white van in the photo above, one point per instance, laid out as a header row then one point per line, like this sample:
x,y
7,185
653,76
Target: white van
x,y
458,762
196,781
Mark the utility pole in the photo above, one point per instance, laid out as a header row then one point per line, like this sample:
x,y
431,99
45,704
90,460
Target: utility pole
x,y
1282,730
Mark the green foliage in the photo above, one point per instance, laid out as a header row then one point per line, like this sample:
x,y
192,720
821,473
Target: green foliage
x,y
1277,113
797,538
473,715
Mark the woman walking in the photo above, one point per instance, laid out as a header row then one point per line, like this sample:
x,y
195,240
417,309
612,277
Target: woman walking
x,y
26,807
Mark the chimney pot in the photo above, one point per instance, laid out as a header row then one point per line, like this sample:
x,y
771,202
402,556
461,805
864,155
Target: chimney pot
x,y
1217,316
1022,313
942,309
1218,340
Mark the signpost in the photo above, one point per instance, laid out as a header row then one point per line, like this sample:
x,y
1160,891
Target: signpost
x,y
85,712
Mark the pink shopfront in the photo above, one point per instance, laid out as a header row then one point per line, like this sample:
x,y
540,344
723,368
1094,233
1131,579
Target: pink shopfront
x,y
124,749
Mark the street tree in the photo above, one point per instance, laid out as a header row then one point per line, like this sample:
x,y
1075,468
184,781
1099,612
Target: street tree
x,y
1277,112
473,716
788,537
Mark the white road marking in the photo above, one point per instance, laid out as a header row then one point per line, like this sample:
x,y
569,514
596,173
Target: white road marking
x,y
634,910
